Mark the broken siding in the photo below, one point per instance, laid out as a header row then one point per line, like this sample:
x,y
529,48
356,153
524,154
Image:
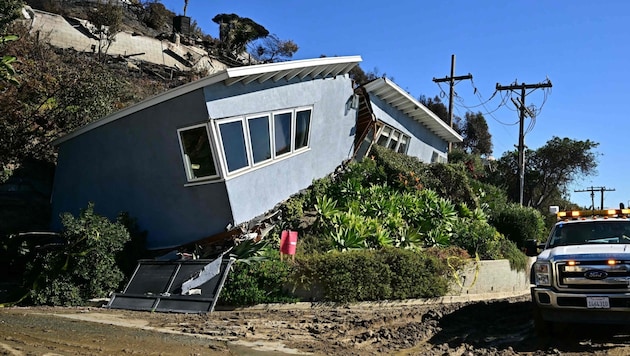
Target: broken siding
x,y
424,144
135,165
331,138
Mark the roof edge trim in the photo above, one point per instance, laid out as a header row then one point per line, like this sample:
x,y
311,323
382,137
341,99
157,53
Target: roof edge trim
x,y
234,74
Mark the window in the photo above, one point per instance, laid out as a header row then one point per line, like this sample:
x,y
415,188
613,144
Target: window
x,y
302,125
260,138
282,130
197,153
256,139
437,158
233,140
393,139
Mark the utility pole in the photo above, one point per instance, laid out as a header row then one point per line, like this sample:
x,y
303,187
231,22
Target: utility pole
x,y
521,135
593,190
451,81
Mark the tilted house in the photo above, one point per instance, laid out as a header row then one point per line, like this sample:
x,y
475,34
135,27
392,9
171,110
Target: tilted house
x,y
227,148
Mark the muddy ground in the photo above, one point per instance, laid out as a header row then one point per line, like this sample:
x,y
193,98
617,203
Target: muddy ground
x,y
498,327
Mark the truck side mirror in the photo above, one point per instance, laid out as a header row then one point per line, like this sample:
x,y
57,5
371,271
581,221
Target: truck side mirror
x,y
531,248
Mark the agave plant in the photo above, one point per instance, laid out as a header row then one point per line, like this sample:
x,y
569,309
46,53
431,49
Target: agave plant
x,y
345,239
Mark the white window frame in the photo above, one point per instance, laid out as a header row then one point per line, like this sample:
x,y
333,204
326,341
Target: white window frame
x,y
291,134
244,120
399,137
248,154
310,126
185,160
249,139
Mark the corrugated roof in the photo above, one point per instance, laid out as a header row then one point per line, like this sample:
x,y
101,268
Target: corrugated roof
x,y
302,69
393,95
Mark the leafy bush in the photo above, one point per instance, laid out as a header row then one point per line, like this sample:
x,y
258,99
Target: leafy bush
x,y
491,198
257,282
362,275
519,223
85,267
450,181
477,237
481,239
511,252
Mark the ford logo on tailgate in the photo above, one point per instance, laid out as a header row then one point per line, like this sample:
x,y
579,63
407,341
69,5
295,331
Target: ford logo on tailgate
x,y
595,274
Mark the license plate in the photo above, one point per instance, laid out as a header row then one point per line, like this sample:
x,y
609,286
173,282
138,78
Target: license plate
x,y
597,302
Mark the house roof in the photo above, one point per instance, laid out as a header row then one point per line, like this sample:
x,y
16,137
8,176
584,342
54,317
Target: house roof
x,y
393,95
302,69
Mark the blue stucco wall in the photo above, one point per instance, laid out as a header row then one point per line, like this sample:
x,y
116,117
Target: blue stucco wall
x,y
134,164
331,140
423,142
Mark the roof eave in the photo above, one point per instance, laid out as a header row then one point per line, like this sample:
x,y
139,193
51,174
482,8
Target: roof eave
x,y
385,88
327,66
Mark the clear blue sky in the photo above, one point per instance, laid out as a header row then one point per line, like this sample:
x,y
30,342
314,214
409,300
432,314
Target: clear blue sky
x,y
582,46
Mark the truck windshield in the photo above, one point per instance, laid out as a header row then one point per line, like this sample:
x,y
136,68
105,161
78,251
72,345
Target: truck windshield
x,y
591,232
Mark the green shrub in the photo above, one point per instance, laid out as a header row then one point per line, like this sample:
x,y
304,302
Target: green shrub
x,y
491,198
353,276
519,223
511,252
477,237
313,244
363,275
408,268
85,268
256,283
480,239
450,181
293,211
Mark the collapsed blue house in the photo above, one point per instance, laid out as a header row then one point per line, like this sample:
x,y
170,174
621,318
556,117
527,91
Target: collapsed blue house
x,y
227,148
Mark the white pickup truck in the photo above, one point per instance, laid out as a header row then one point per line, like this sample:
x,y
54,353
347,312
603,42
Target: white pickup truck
x,y
582,274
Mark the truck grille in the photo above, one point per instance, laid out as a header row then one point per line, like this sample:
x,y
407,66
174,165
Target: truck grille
x,y
593,275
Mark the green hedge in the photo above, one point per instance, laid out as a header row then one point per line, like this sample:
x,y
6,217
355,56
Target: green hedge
x,y
519,223
370,275
448,180
257,283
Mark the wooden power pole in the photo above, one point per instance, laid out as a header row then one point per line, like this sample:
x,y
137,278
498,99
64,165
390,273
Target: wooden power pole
x,y
451,81
521,135
593,190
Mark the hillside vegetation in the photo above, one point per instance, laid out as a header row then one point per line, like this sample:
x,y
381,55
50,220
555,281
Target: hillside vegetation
x,y
390,218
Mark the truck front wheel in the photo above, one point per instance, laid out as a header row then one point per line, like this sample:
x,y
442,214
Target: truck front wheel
x,y
542,327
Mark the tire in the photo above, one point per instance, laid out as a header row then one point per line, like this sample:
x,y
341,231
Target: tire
x,y
542,328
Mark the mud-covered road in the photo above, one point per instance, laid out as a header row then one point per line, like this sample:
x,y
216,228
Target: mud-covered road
x,y
500,327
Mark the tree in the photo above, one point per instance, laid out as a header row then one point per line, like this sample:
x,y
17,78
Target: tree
x,y
236,32
107,18
360,77
9,11
549,170
60,91
477,138
7,72
156,15
272,49
436,106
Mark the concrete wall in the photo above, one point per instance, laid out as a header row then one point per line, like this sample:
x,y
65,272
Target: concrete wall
x,y
423,142
490,277
77,34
